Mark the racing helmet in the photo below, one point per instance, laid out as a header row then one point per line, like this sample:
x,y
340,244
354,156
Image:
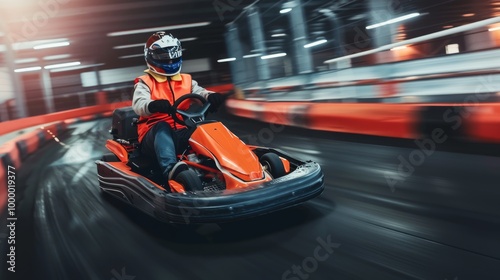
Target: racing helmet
x,y
163,54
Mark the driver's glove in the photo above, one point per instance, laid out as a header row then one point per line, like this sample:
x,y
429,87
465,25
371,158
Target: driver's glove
x,y
216,100
160,106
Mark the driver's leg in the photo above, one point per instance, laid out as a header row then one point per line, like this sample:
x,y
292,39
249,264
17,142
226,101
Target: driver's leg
x,y
181,138
159,141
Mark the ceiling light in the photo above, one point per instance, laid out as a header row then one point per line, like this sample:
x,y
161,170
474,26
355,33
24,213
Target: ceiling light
x,y
394,20
269,56
278,35
313,44
28,69
447,26
357,17
452,48
25,60
494,29
61,65
129,46
57,56
154,29
51,45
131,56
27,45
188,39
469,15
76,67
142,44
226,59
252,55
286,10
399,48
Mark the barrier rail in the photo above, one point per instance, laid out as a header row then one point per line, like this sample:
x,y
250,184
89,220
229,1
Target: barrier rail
x,y
15,151
13,125
468,121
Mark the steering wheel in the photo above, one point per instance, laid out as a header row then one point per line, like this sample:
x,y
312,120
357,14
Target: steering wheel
x,y
190,118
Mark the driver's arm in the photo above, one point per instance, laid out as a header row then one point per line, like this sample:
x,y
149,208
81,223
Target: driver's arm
x,y
196,89
141,99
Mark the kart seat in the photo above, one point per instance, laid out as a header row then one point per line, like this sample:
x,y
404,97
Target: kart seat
x,y
124,131
124,125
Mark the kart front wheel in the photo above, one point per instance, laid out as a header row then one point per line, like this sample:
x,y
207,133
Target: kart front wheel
x,y
189,180
273,164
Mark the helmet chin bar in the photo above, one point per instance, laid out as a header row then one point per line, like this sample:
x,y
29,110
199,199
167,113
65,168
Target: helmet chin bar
x,y
163,74
154,67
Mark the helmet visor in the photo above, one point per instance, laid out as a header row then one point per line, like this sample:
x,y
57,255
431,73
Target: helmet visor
x,y
165,54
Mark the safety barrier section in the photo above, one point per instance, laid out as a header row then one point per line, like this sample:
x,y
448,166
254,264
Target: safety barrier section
x,y
13,125
390,120
224,88
485,123
9,156
3,187
15,151
471,122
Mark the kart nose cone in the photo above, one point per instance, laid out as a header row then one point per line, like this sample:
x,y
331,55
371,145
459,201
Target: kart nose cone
x,y
255,175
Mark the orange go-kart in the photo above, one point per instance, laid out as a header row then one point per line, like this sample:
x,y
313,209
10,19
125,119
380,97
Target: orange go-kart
x,y
227,179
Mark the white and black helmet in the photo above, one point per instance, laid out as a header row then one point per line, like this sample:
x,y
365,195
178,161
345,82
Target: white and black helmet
x,y
163,54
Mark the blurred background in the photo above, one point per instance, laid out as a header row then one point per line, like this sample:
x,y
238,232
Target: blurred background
x,y
58,54
397,100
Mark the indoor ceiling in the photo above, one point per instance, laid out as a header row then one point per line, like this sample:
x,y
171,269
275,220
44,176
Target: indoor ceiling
x,y
89,24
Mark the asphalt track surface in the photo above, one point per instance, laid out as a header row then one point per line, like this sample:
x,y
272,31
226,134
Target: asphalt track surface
x,y
441,221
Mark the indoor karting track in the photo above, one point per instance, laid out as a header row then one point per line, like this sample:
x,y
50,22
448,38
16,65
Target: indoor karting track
x,y
441,222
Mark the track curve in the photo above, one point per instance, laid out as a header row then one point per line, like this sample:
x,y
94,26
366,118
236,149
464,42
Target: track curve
x,y
441,222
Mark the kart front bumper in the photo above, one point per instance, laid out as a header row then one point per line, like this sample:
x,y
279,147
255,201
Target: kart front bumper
x,y
304,183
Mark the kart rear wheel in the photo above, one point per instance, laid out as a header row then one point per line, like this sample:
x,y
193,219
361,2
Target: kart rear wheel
x,y
273,164
189,180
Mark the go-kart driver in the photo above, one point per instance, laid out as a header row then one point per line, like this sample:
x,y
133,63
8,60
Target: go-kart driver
x,y
155,92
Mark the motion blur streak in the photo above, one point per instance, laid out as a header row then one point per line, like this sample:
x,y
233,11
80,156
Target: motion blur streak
x,y
442,222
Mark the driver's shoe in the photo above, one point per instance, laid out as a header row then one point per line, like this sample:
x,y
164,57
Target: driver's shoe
x,y
178,168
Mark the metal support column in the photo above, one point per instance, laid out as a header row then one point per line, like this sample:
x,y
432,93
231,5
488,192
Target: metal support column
x,y
338,32
234,49
48,94
17,86
302,56
258,42
380,11
98,78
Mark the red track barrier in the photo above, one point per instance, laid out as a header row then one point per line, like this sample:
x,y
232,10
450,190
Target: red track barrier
x,y
477,122
484,123
221,88
15,151
3,187
388,120
10,126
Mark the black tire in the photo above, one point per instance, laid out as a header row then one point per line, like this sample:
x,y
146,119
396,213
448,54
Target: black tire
x,y
189,180
110,158
274,165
